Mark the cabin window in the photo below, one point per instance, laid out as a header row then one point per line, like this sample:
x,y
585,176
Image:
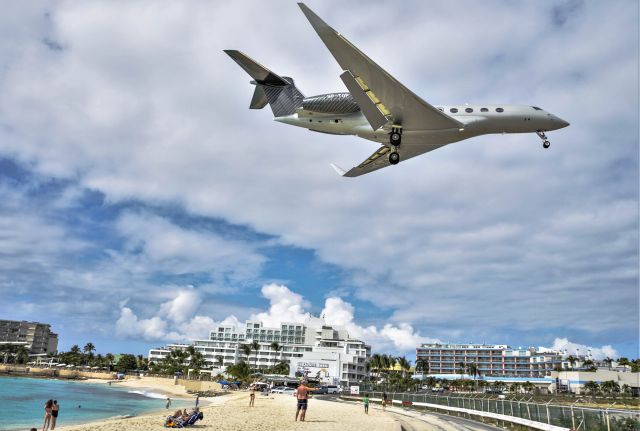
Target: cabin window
x,y
336,121
454,110
440,109
499,110
484,110
536,108
468,110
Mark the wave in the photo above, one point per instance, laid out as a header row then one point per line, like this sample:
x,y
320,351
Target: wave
x,y
155,395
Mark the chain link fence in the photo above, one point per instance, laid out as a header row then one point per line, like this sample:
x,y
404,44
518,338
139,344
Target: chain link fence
x,y
565,416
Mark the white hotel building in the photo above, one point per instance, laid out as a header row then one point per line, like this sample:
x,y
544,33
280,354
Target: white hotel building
x,y
320,351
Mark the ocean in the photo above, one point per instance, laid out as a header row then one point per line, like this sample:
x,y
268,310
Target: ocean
x,y
22,400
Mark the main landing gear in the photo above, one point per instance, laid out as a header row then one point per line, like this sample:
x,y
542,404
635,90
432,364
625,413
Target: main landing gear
x,y
545,141
395,137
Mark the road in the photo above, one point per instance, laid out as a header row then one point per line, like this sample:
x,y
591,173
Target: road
x,y
413,420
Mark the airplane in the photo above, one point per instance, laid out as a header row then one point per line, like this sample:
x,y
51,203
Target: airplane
x,y
379,108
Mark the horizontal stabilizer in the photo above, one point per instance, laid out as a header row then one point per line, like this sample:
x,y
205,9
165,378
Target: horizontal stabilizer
x,y
259,99
261,74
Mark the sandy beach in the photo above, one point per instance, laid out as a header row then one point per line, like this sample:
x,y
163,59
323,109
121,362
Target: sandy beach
x,y
271,413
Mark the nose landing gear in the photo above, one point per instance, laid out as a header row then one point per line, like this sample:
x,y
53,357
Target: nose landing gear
x,y
395,137
545,141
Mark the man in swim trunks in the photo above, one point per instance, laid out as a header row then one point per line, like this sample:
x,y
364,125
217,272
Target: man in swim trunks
x,y
302,395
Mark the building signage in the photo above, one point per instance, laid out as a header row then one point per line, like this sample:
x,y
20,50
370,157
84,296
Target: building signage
x,y
355,390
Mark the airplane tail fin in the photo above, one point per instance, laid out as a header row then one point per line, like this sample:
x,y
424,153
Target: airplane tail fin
x,y
279,92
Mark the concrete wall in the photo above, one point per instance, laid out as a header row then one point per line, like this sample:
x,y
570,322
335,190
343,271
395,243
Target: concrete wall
x,y
199,385
52,372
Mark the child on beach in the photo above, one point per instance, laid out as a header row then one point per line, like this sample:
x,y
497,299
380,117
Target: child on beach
x,y
365,400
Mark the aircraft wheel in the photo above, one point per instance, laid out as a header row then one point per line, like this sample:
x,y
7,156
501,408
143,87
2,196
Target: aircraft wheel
x,y
394,158
395,138
546,144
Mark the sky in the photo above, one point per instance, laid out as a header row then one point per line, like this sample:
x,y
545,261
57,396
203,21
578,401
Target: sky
x,y
142,203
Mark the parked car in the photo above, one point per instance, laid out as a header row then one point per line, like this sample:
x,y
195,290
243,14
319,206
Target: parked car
x,y
288,391
321,390
277,389
332,389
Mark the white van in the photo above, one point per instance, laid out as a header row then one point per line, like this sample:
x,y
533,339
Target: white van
x,y
333,389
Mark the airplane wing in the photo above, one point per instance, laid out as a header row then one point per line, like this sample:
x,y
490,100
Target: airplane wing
x,y
379,159
391,99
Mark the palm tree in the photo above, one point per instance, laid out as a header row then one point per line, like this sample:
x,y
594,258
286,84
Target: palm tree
x,y
109,358
246,350
461,368
219,360
404,364
422,365
572,360
591,387
276,347
472,369
376,363
608,361
22,355
255,346
610,387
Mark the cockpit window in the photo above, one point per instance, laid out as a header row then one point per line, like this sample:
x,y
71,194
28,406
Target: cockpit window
x,y
536,108
499,110
469,110
454,110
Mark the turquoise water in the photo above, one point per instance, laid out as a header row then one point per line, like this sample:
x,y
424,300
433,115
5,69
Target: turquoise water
x,y
22,399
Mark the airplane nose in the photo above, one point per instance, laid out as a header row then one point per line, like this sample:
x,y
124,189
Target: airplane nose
x,y
563,123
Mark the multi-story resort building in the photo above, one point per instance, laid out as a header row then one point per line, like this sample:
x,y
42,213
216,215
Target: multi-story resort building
x,y
36,337
301,346
490,359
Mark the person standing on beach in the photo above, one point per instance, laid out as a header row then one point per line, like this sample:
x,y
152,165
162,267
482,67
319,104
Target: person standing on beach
x,y
55,409
365,400
168,403
47,415
384,400
302,395
197,400
252,394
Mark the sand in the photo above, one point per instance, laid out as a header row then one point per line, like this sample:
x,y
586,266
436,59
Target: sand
x,y
271,413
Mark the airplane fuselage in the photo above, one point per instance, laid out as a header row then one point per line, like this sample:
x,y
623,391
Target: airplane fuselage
x,y
477,120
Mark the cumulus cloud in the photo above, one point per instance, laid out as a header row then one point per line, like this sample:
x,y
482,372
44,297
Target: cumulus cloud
x,y
175,321
571,348
155,116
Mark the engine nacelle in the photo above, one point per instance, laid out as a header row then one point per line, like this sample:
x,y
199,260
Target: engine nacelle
x,y
332,104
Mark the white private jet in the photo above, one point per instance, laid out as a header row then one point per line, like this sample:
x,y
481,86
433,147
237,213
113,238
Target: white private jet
x,y
381,109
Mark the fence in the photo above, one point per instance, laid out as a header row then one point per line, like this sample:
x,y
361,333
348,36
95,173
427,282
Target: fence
x,y
523,412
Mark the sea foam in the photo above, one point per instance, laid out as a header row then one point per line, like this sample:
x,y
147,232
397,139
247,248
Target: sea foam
x,y
149,394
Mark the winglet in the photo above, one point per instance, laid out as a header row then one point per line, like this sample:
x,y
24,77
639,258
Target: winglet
x,y
338,169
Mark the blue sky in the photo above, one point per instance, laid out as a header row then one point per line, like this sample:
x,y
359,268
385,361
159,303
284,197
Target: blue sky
x,y
142,203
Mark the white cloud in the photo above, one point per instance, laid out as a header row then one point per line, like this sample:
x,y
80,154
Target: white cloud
x,y
285,306
156,114
571,348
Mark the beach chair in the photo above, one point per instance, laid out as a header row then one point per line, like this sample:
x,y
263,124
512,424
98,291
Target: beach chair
x,y
194,418
172,422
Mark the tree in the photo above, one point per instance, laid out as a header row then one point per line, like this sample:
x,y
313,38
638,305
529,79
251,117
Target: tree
x,y
276,347
219,360
256,347
239,371
572,360
514,388
461,368
89,348
528,387
22,355
610,387
405,365
472,369
422,365
126,362
246,350
591,387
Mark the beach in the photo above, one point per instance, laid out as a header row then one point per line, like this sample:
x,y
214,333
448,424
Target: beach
x,y
271,413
